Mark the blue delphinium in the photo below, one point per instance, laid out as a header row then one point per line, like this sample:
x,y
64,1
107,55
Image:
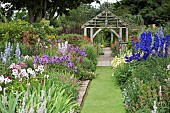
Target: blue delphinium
x,y
150,46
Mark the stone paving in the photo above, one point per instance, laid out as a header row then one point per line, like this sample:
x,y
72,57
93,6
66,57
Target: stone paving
x,y
105,60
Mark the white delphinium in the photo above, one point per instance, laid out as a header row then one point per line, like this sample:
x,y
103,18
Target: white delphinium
x,y
18,52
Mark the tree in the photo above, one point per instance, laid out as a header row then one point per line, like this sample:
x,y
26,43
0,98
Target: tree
x,y
38,9
152,11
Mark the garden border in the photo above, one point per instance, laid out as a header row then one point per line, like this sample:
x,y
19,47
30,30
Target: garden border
x,y
82,91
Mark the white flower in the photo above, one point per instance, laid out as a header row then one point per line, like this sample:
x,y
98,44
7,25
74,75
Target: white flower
x,y
46,76
7,80
41,68
33,73
24,73
168,67
0,88
23,70
29,70
26,57
15,72
1,78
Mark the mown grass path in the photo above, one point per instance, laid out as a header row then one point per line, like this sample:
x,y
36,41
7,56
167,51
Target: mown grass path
x,y
103,95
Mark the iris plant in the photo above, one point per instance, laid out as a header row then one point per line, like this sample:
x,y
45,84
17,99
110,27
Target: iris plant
x,y
65,55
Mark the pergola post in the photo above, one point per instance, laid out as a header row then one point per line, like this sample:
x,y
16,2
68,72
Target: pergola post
x,y
85,31
120,34
126,35
91,35
120,40
111,37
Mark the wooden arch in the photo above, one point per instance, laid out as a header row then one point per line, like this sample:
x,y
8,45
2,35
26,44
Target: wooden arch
x,y
106,19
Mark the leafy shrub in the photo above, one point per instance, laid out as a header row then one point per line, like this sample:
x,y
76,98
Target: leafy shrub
x,y
91,53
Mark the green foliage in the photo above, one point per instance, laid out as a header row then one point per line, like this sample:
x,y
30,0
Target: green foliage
x,y
45,96
167,28
91,54
141,82
99,49
11,32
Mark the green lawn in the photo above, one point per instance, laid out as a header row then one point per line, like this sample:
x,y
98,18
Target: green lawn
x,y
103,95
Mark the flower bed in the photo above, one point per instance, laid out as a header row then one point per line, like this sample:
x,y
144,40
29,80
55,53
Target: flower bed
x,y
46,82
145,79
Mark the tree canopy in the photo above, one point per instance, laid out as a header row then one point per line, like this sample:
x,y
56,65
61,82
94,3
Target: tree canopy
x,y
152,11
38,9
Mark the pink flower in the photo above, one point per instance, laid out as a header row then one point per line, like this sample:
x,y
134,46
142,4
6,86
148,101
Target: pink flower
x,y
17,67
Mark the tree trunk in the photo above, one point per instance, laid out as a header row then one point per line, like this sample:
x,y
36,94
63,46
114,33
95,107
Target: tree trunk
x,y
45,8
30,15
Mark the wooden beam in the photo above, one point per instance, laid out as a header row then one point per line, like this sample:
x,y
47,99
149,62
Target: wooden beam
x,y
114,32
97,32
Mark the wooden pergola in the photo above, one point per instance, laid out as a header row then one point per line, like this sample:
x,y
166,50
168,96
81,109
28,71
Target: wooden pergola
x,y
106,19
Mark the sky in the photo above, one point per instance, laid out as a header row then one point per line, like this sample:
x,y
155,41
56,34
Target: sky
x,y
102,1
